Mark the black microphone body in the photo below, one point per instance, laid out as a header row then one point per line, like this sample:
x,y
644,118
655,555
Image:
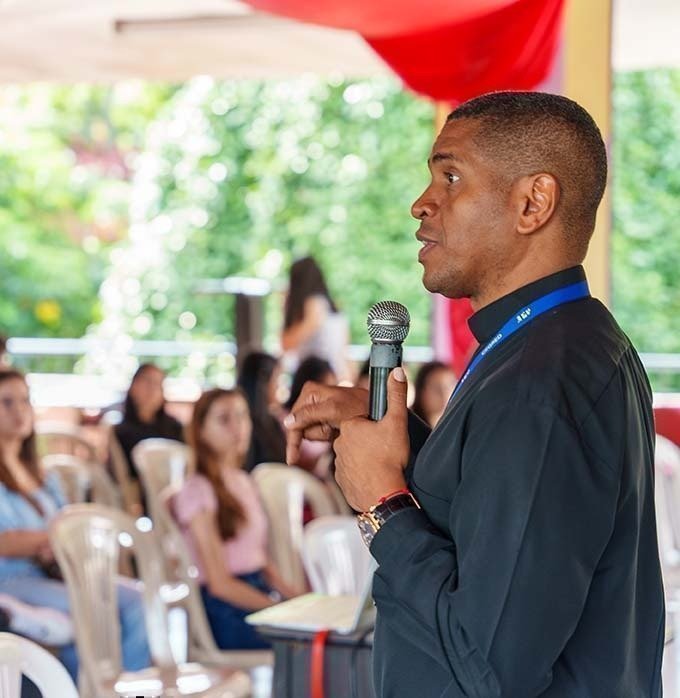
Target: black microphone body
x,y
388,324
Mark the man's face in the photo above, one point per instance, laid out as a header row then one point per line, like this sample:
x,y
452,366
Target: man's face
x,y
466,217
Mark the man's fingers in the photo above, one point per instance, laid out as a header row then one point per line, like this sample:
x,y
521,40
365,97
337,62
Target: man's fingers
x,y
397,389
293,441
309,415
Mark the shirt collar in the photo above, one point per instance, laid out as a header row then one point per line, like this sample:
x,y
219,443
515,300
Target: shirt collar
x,y
487,321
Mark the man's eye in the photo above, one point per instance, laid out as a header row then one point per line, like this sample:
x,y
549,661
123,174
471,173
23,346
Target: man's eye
x,y
452,178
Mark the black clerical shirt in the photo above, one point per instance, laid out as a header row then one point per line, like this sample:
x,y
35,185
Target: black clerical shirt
x,y
532,568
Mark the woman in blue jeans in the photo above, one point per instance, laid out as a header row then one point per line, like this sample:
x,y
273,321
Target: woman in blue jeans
x,y
27,502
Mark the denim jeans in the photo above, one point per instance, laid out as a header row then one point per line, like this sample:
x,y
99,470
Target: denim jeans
x,y
51,593
227,622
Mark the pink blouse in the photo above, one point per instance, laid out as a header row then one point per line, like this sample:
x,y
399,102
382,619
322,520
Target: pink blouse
x,y
247,551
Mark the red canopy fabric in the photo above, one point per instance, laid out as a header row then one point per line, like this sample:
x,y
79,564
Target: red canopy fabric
x,y
377,18
509,49
448,50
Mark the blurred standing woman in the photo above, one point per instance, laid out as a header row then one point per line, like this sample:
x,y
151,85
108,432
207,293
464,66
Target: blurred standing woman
x,y
312,324
224,524
27,502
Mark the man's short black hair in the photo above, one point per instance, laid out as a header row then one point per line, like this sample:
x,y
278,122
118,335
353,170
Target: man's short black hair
x,y
531,132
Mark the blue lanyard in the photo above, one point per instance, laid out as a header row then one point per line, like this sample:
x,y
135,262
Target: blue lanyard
x,y
524,317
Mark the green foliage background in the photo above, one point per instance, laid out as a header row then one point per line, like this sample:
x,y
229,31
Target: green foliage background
x,y
646,211
116,201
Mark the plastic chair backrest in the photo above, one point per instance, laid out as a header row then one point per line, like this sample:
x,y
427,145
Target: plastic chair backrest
x,y
21,656
81,479
129,488
667,499
63,437
160,462
284,490
180,567
335,558
87,540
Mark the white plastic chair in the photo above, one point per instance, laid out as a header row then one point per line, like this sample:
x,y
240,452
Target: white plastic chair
x,y
284,490
21,656
336,559
86,540
63,437
129,488
667,501
80,479
160,462
180,567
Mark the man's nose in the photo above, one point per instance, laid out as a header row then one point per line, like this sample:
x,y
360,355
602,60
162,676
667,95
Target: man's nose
x,y
424,206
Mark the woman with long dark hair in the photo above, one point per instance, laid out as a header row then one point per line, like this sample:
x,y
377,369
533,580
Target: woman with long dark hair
x,y
258,379
28,500
223,521
312,323
317,370
434,384
144,415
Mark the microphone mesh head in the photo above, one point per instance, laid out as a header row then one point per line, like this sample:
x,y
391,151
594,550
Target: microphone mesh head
x,y
388,322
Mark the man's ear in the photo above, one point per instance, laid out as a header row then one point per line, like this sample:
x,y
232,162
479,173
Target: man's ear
x,y
538,198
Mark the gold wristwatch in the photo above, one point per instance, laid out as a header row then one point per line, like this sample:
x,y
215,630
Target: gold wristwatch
x,y
370,521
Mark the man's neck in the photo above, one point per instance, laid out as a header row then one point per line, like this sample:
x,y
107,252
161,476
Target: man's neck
x,y
520,276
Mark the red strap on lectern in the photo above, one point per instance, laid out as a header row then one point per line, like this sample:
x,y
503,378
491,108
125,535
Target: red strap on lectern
x,y
316,664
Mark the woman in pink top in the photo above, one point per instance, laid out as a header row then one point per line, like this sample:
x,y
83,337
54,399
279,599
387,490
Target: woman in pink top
x,y
222,518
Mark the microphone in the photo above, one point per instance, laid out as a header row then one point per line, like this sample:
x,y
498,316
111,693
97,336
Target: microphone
x,y
388,324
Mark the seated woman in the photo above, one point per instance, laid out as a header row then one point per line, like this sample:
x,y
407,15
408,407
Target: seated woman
x,y
434,384
27,502
222,519
314,455
258,379
144,415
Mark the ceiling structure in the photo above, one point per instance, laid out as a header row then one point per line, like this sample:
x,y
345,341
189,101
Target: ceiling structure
x,y
107,40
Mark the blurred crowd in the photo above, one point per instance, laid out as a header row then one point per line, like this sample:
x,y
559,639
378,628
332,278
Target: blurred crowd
x,y
217,508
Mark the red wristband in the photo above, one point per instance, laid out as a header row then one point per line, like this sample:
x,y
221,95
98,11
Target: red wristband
x,y
403,490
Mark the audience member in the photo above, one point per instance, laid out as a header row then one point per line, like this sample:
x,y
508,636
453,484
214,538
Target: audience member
x,y
312,452
4,359
27,502
144,415
312,324
222,519
258,379
433,387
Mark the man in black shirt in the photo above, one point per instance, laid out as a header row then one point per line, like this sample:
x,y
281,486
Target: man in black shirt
x,y
517,555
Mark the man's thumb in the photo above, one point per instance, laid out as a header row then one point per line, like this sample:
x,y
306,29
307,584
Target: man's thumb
x,y
397,388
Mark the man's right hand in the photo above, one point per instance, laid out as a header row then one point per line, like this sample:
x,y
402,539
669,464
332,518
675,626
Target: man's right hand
x,y
317,413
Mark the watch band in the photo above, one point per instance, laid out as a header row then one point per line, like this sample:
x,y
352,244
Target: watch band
x,y
371,521
384,510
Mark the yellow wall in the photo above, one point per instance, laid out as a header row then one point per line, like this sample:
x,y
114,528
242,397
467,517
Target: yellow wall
x,y
587,79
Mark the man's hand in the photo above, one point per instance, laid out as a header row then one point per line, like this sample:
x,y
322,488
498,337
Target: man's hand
x,y
318,412
371,456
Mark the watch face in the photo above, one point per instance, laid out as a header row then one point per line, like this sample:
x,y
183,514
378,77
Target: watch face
x,y
366,528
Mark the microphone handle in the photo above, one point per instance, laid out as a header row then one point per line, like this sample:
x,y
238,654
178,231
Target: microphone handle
x,y
384,357
377,388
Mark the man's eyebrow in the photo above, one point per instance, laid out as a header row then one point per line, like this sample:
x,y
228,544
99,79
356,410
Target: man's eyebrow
x,y
441,156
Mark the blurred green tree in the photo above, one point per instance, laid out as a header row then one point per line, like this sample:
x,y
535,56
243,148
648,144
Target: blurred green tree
x,y
239,178
646,211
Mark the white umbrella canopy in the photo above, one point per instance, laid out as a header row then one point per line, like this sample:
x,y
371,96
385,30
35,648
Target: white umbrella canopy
x,y
108,40
645,34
